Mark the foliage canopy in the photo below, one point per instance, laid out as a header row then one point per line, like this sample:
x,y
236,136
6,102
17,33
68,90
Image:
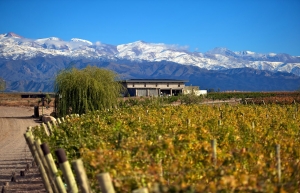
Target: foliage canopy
x,y
88,89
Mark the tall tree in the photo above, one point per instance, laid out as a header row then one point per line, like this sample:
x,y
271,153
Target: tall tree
x,y
88,89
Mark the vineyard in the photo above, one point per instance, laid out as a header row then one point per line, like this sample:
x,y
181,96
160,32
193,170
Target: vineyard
x,y
258,97
186,148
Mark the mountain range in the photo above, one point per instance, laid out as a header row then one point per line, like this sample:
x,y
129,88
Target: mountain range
x,y
31,64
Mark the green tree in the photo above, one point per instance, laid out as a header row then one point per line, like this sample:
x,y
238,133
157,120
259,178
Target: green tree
x,y
190,99
2,85
88,89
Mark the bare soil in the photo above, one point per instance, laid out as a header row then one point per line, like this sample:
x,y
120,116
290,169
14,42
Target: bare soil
x,y
14,152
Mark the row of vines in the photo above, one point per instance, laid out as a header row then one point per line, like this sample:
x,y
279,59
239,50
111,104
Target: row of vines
x,y
258,97
171,145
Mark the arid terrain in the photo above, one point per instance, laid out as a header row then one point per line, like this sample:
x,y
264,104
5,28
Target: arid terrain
x,y
16,115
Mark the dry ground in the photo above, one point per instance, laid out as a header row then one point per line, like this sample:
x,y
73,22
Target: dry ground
x,y
14,152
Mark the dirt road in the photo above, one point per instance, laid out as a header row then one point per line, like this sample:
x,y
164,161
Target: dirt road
x,y
14,152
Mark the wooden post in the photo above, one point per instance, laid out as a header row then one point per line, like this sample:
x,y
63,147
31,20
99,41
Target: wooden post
x,y
37,144
49,126
278,163
30,142
219,122
140,190
58,120
214,151
49,159
105,183
155,188
81,176
3,189
45,129
66,169
13,177
188,122
119,140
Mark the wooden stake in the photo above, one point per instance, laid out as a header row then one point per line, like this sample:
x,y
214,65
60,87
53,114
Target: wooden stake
x,y
30,142
49,127
140,190
37,144
188,122
81,176
45,129
214,150
57,179
105,183
219,122
67,171
278,163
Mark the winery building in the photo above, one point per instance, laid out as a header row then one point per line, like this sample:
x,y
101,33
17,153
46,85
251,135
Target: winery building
x,y
153,87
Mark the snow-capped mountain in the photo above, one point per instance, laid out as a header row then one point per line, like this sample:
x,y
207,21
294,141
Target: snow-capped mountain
x,y
16,47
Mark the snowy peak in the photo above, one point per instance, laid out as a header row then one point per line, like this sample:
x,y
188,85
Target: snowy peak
x,y
221,51
12,35
13,47
244,53
81,40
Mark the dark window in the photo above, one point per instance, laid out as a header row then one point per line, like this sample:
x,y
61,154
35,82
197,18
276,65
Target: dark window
x,y
167,84
144,84
178,84
156,84
132,84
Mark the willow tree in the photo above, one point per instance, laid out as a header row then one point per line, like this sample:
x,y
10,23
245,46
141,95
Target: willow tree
x,y
88,89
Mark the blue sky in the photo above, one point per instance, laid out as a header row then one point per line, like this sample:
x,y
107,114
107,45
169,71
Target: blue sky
x,y
256,25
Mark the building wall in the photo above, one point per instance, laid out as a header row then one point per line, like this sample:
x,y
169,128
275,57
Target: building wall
x,y
153,88
161,85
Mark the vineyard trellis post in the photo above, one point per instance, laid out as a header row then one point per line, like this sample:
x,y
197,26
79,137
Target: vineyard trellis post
x,y
29,139
141,190
81,176
66,169
37,144
278,160
49,159
214,151
105,183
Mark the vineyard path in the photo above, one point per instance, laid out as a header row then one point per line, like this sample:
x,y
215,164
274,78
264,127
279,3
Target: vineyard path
x,y
14,152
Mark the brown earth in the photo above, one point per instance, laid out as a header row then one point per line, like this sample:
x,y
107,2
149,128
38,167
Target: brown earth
x,y
14,152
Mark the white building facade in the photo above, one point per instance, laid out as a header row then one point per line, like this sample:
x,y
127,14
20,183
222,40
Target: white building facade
x,y
153,87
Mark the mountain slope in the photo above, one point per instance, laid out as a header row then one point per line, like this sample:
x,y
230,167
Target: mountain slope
x,y
38,74
13,47
31,64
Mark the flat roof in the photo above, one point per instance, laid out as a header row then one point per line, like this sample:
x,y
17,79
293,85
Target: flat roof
x,y
154,80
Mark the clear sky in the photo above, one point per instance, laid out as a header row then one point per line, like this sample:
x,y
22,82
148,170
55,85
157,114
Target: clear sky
x,y
256,25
